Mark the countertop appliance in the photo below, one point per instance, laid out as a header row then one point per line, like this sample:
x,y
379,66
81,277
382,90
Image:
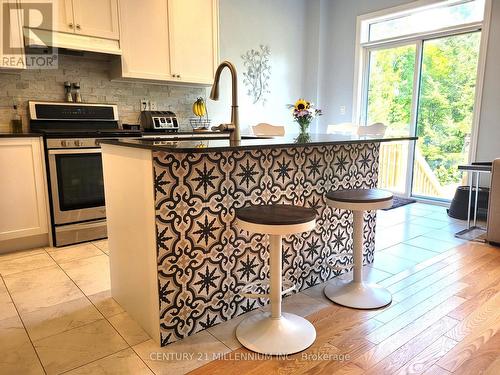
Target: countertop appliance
x,y
159,121
74,166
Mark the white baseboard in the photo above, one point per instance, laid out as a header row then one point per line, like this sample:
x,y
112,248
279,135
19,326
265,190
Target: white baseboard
x,y
31,242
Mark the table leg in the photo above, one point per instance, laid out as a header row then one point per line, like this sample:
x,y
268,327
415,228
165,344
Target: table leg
x,y
477,196
471,178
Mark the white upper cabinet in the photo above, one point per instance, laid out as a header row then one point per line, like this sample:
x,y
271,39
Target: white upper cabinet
x,y
82,25
193,35
94,18
169,40
11,37
144,40
161,40
97,18
63,16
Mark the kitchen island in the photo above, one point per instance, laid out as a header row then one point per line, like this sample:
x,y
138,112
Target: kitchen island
x,y
178,262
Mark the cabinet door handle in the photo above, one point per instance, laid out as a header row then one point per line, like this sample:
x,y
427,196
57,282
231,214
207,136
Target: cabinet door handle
x,y
70,25
78,27
178,76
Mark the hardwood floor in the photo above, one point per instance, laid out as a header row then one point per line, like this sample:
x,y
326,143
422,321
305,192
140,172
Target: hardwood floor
x,y
57,314
445,319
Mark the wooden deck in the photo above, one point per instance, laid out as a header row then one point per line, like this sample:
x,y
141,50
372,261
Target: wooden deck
x,y
445,319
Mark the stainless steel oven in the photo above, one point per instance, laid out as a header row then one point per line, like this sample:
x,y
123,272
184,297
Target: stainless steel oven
x,y
74,165
76,184
77,190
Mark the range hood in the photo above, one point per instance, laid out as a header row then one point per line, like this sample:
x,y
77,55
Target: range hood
x,y
43,38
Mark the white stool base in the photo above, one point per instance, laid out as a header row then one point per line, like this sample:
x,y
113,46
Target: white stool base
x,y
286,335
358,295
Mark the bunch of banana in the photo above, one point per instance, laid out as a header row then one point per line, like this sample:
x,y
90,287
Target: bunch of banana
x,y
199,108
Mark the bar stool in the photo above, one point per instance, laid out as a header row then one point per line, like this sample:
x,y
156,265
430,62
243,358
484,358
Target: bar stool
x,y
356,293
278,332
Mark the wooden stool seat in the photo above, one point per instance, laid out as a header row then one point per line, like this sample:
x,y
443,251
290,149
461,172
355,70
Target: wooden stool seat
x,y
280,219
360,199
277,332
278,214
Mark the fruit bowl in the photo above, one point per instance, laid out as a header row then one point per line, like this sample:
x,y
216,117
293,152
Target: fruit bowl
x,y
200,123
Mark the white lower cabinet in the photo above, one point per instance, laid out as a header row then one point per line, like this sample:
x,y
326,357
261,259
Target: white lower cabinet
x,y
23,193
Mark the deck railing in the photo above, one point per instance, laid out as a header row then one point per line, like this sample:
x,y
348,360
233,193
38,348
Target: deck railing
x,y
393,166
425,182
393,169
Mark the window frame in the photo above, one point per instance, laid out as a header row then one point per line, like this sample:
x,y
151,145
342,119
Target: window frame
x,y
408,10
362,51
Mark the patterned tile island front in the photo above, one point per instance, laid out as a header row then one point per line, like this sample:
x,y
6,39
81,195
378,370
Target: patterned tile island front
x,y
202,259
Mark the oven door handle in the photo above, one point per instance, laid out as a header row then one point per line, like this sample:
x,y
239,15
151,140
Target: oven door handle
x,y
75,151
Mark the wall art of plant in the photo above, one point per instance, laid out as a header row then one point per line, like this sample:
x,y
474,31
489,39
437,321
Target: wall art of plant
x,y
257,73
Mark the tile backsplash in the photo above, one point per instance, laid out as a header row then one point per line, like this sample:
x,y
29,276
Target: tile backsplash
x,y
92,71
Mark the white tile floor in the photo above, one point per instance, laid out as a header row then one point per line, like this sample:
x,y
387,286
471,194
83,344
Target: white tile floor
x,y
57,314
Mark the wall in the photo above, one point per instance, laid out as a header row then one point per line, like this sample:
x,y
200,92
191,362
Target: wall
x,y
338,33
247,24
338,47
92,71
489,123
312,53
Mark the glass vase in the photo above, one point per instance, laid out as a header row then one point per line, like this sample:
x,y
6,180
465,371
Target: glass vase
x,y
304,136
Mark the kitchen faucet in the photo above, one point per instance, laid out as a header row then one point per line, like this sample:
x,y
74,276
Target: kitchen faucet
x,y
234,126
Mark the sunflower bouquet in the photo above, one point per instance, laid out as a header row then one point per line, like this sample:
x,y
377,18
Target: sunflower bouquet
x,y
303,113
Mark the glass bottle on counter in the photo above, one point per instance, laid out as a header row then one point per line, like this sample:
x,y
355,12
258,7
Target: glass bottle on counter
x,y
16,123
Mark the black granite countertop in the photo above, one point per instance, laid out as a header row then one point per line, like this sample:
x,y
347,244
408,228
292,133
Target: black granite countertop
x,y
19,135
247,143
181,133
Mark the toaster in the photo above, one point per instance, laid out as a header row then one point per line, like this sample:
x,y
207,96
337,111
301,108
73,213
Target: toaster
x,y
159,121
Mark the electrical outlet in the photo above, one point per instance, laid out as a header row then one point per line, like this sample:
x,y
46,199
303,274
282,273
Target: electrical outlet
x,y
153,106
342,109
144,105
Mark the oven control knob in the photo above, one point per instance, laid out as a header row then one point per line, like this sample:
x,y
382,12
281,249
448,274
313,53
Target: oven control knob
x,y
77,143
64,143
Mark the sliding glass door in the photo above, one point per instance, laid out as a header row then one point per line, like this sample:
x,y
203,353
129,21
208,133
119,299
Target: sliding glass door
x,y
391,80
445,111
425,88
418,66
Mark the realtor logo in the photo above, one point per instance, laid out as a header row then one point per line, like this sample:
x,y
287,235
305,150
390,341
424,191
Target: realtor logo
x,y
27,35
